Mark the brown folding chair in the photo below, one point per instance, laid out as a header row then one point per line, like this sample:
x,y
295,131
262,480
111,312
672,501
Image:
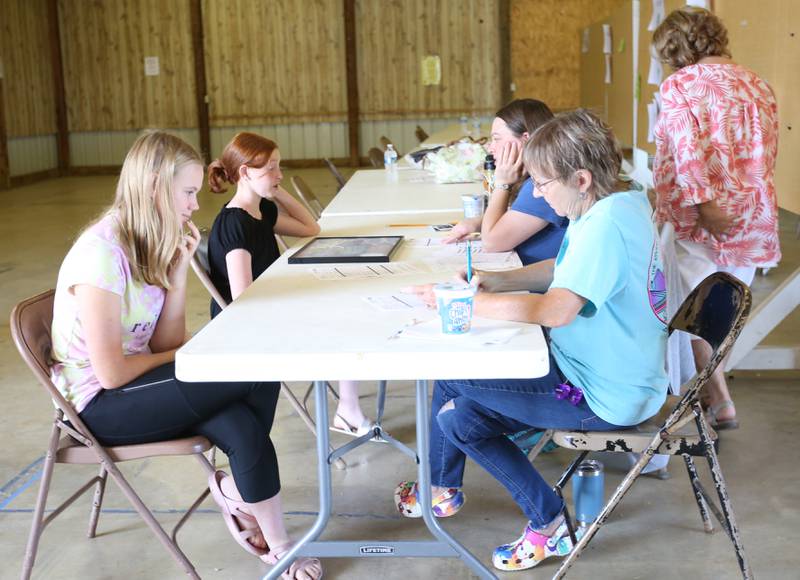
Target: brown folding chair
x,y
420,133
72,442
336,173
200,266
375,157
306,195
385,142
716,312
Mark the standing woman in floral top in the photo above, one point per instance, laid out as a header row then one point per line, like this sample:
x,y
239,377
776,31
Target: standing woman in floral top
x,y
716,144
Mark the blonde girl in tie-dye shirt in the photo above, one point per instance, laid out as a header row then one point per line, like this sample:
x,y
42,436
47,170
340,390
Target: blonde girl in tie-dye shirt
x,y
119,317
98,259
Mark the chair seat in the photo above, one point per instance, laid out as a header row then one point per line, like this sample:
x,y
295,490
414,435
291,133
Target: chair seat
x,y
72,451
636,439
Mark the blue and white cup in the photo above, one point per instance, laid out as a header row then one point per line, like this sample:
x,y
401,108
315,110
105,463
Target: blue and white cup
x,y
454,302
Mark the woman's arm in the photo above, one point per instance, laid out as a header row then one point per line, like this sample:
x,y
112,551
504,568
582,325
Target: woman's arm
x,y
170,332
100,312
556,307
293,218
504,230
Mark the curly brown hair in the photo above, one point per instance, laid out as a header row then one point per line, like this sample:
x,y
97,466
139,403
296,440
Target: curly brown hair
x,y
688,35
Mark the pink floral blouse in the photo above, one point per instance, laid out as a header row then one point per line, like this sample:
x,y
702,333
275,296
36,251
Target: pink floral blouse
x,y
717,138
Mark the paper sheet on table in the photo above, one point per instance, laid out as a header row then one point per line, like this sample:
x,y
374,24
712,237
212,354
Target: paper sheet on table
x,y
606,39
484,331
658,15
391,302
358,271
652,117
585,40
656,71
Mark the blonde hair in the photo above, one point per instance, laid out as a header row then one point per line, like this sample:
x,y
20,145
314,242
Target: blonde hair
x,y
148,226
572,141
689,34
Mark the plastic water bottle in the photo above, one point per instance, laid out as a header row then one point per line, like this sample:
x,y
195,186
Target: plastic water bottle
x,y
390,159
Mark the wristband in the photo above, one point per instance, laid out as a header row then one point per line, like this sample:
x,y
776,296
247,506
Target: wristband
x,y
503,186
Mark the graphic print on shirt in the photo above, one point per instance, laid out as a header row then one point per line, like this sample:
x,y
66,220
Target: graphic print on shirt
x,y
657,285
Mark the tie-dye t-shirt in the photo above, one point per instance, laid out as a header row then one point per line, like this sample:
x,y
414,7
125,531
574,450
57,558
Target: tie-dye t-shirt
x,y
615,349
98,260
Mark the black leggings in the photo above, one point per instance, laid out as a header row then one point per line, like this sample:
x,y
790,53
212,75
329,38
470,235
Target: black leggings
x,y
236,417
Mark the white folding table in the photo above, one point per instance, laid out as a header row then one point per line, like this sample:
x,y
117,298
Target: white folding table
x,y
375,191
291,326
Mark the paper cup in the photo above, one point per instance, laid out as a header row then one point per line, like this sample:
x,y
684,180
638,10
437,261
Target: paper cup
x,y
473,205
454,303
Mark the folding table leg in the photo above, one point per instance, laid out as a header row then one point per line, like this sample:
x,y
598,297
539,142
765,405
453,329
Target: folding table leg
x,y
424,485
324,476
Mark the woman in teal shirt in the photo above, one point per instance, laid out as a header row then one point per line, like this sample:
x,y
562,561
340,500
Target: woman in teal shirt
x,y
602,297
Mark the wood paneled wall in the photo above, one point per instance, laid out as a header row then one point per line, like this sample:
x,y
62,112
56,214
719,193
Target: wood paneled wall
x,y
545,47
275,62
104,44
28,82
394,35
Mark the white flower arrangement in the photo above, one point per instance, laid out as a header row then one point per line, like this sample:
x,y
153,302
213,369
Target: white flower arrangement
x,y
457,163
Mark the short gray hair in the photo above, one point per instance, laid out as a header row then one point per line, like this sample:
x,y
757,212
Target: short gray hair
x,y
572,141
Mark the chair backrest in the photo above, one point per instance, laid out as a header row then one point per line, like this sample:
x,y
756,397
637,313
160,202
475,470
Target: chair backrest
x,y
375,157
385,142
307,196
201,268
336,173
31,326
715,311
420,133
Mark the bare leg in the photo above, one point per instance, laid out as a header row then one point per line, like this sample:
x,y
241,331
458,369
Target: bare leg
x,y
349,408
716,389
268,514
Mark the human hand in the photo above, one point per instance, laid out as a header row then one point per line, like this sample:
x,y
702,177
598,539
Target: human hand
x,y
462,229
186,249
424,292
712,218
509,163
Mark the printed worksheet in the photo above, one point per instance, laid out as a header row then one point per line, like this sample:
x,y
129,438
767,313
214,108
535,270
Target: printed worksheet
x,y
360,271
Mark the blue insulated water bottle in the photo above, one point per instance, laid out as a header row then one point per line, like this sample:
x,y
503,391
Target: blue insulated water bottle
x,y
588,491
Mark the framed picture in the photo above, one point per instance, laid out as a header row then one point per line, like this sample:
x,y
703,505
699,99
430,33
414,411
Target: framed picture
x,y
333,250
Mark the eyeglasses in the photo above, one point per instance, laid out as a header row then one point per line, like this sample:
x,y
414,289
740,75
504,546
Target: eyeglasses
x,y
539,186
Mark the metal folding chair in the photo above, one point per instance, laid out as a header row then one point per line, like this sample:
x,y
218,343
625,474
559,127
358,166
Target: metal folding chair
x,y
716,312
340,180
306,195
200,267
71,441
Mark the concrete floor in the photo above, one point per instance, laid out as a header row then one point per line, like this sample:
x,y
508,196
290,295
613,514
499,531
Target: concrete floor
x,y
656,532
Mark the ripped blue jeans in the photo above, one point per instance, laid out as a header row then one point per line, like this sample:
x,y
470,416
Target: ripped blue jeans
x,y
476,421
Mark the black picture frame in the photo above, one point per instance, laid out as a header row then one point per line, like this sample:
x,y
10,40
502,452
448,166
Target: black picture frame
x,y
347,249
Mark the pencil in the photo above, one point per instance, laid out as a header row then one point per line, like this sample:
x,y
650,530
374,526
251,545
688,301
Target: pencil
x,y
469,261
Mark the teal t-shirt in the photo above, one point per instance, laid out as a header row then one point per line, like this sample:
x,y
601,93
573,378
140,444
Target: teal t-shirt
x,y
615,349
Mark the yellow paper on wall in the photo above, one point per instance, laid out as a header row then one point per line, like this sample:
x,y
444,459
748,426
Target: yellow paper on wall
x,y
431,70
